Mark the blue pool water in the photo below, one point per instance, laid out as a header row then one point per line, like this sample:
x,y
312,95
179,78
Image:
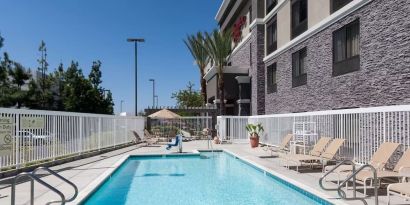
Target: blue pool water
x,y
213,178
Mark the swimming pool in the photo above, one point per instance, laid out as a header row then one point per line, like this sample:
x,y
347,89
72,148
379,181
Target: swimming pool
x,y
208,178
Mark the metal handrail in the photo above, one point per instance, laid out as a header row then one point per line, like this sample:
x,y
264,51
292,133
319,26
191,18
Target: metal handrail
x,y
333,169
60,177
32,178
342,194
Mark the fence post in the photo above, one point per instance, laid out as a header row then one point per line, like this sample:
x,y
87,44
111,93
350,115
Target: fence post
x,y
384,126
115,130
55,137
17,141
126,131
81,136
99,133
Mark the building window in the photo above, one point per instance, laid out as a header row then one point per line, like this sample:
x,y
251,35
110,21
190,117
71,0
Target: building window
x,y
271,78
346,49
299,76
271,35
337,4
299,17
270,4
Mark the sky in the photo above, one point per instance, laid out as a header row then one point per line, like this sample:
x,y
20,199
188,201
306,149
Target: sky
x,y
90,30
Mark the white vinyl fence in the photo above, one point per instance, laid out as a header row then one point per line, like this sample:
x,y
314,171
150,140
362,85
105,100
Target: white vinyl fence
x,y
363,128
30,136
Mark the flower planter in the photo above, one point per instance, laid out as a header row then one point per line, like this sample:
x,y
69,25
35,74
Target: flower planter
x,y
254,140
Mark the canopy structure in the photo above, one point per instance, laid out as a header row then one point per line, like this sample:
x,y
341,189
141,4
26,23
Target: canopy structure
x,y
164,114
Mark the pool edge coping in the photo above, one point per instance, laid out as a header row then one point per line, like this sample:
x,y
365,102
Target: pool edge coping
x,y
95,184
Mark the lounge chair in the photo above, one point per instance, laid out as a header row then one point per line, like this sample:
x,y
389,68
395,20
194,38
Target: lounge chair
x,y
150,139
137,138
187,135
283,147
328,155
379,160
316,151
400,189
402,165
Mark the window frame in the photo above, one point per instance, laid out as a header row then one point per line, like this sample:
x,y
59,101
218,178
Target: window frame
x,y
301,26
336,6
274,45
271,87
299,78
269,8
349,63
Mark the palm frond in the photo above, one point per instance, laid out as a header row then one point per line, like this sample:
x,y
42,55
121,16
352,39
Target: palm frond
x,y
195,45
219,46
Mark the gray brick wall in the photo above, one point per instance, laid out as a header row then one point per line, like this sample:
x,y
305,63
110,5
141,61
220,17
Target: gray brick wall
x,y
384,75
251,55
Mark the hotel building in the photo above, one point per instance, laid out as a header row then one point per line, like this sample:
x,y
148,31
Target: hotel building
x,y
308,55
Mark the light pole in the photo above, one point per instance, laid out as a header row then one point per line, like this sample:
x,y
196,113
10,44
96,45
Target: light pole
x,y
135,41
156,97
122,101
153,92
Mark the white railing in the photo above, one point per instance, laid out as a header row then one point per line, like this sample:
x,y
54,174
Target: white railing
x,y
192,125
30,136
363,128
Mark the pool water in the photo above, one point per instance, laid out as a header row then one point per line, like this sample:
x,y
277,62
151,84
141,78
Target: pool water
x,y
212,178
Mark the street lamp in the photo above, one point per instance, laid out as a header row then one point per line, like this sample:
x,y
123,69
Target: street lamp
x,y
156,97
135,41
153,92
122,101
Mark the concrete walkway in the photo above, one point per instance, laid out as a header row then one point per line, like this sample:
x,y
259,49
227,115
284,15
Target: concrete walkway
x,y
84,172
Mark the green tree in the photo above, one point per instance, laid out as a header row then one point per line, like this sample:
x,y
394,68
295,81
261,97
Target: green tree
x,y
75,89
43,64
82,94
19,76
5,90
219,46
57,79
108,104
188,97
196,46
1,41
95,74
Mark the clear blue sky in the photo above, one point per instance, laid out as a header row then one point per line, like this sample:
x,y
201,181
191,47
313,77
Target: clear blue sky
x,y
88,30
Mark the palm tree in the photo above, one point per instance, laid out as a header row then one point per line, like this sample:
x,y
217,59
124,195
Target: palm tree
x,y
219,47
195,45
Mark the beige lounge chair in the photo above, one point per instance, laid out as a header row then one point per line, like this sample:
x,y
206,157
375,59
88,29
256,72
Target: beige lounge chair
x,y
137,137
398,171
283,147
400,189
379,160
150,139
316,151
326,156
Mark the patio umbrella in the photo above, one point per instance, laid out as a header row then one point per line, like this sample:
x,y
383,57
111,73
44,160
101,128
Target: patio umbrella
x,y
167,116
164,114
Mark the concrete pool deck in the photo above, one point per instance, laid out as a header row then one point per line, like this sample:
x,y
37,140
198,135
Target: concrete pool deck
x,y
85,172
